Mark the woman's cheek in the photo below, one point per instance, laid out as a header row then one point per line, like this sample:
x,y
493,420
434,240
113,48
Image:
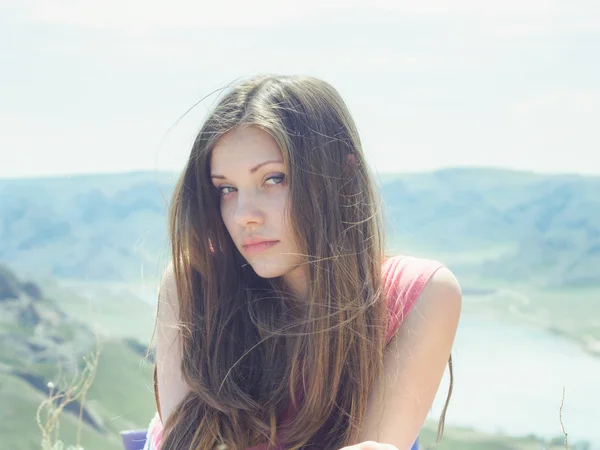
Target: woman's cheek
x,y
226,213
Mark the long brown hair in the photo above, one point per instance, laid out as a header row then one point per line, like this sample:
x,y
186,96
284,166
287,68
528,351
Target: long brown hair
x,y
250,349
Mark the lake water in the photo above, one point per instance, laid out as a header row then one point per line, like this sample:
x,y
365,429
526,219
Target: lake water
x,y
509,379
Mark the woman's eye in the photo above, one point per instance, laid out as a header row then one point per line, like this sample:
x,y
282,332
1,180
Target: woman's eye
x,y
275,179
224,190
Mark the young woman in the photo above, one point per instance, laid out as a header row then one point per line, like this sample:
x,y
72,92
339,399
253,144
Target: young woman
x,y
281,323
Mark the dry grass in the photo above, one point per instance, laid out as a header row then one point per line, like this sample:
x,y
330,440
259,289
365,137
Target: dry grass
x,y
562,402
49,411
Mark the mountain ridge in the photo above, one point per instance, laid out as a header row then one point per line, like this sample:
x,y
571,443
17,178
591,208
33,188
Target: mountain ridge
x,y
113,226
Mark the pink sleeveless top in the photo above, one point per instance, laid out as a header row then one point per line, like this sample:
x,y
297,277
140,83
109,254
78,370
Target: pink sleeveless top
x,y
404,278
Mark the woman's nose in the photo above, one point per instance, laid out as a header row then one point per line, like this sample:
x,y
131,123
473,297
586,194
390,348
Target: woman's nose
x,y
247,211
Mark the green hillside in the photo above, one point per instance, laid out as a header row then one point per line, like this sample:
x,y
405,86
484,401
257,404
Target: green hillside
x,y
41,343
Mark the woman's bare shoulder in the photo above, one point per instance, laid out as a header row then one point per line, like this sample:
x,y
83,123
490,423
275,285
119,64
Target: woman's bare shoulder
x,y
170,384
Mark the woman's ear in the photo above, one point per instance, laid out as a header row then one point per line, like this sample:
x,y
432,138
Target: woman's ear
x,y
351,160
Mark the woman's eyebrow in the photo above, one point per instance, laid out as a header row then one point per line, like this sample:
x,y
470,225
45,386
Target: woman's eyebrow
x,y
253,169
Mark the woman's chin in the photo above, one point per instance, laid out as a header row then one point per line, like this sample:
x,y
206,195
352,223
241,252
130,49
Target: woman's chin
x,y
268,269
290,271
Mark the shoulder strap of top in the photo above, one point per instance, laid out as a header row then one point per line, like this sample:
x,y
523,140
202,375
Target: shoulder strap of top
x,y
404,278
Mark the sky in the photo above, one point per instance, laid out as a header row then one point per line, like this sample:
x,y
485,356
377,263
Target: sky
x,y
100,86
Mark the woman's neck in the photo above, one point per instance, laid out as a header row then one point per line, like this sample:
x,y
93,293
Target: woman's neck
x,y
296,282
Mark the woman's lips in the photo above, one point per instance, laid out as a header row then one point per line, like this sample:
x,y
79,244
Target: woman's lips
x,y
259,247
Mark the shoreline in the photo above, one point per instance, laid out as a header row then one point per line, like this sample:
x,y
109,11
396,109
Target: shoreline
x,y
518,308
457,437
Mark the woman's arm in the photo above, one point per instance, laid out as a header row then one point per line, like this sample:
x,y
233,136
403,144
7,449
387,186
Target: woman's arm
x,y
171,387
414,364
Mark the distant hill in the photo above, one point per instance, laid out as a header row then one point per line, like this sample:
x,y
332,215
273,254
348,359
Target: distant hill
x,y
549,225
113,227
96,227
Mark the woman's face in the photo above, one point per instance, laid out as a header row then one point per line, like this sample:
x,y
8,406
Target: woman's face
x,y
247,168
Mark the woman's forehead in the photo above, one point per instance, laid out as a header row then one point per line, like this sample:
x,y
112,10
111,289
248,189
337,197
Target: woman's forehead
x,y
247,146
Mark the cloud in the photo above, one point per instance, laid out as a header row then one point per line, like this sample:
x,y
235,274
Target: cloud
x,y
396,34
536,28
560,126
564,103
380,59
490,83
551,132
465,8
35,147
566,116
143,16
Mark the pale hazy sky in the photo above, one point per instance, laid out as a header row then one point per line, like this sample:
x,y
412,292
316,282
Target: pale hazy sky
x,y
93,86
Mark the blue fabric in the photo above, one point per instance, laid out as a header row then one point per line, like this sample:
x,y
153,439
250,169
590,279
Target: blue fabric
x,y
133,439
